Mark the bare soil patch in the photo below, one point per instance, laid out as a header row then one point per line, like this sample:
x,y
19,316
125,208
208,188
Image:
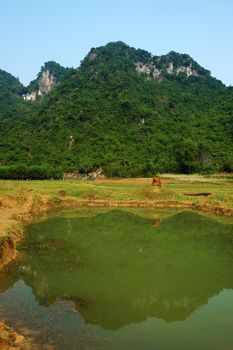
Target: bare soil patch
x,y
199,194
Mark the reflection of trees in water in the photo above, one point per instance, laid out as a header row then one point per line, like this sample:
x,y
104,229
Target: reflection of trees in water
x,y
7,280
181,264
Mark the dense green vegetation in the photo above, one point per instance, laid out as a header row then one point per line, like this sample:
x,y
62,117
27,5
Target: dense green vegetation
x,y
107,114
11,102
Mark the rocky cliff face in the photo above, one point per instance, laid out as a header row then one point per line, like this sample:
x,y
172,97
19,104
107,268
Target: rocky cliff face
x,y
49,76
45,84
151,71
30,96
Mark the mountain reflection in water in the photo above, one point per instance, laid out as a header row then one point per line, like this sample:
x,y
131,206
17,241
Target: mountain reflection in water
x,y
118,269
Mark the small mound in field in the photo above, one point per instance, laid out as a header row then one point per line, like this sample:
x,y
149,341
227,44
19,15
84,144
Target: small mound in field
x,y
200,194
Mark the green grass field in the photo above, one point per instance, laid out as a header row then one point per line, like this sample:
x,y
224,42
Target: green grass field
x,y
174,188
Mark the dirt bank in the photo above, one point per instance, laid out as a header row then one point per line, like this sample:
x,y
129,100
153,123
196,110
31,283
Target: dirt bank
x,y
11,340
14,215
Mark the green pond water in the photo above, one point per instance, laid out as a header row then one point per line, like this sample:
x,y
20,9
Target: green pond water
x,y
115,280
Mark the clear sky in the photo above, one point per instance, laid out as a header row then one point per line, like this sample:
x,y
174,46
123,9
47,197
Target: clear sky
x,y
35,31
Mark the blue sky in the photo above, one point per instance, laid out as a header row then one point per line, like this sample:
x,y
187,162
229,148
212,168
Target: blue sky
x,y
35,31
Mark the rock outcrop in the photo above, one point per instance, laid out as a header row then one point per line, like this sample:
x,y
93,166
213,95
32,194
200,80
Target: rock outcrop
x,y
46,83
152,72
50,75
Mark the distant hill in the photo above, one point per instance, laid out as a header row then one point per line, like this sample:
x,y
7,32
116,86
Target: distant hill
x,y
126,111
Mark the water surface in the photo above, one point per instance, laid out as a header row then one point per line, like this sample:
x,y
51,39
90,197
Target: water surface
x,y
117,280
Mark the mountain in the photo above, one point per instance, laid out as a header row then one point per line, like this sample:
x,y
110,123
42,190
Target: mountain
x,y
9,84
49,76
128,112
11,91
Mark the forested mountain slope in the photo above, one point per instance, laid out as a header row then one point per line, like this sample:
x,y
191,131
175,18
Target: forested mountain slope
x,y
130,113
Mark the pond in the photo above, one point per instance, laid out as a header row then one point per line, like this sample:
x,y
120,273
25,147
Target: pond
x,y
119,280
